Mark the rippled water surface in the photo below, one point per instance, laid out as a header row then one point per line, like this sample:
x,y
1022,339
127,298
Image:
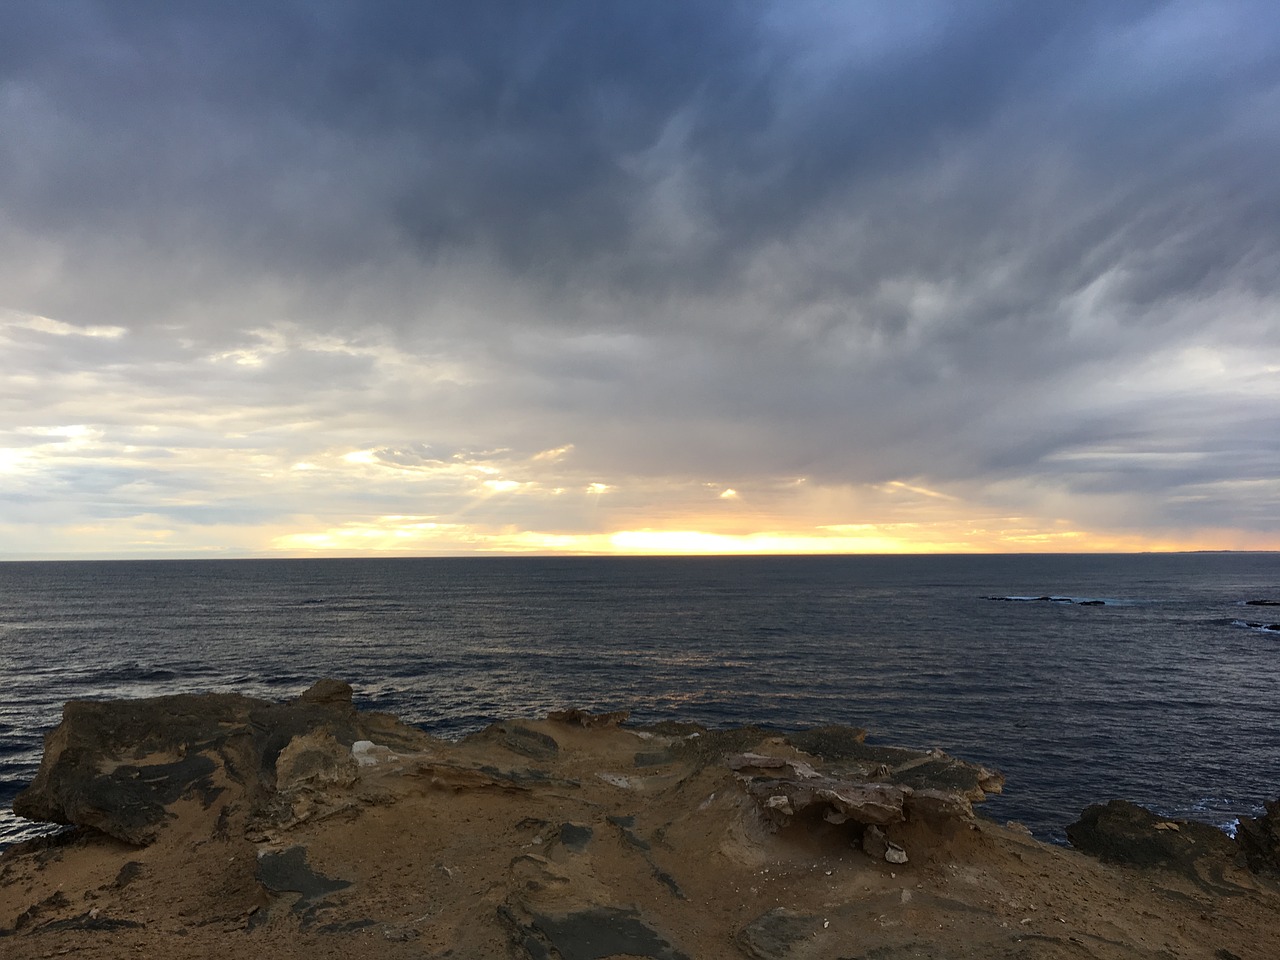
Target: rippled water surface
x,y
1166,693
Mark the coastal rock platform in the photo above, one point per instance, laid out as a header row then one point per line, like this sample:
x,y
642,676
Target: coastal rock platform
x,y
225,826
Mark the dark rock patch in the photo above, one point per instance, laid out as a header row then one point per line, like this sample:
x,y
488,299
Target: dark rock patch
x,y
596,933
128,873
89,921
654,758
575,836
626,825
772,935
668,881
832,743
346,926
1259,839
287,871
55,901
521,739
1124,833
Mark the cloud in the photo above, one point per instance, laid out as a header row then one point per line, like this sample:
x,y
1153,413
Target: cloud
x,y
1021,258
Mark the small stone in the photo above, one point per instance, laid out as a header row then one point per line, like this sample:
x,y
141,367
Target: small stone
x,y
895,854
779,803
366,753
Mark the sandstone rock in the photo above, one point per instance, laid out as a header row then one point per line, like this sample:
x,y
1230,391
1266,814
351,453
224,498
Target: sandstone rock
x,y
86,776
119,766
315,760
328,693
867,785
939,807
895,854
470,851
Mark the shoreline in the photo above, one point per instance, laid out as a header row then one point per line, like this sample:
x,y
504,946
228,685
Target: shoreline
x,y
224,825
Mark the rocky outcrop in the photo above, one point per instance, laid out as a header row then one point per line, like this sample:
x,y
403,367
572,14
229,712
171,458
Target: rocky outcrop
x,y
1259,839
120,767
1124,833
229,826
871,789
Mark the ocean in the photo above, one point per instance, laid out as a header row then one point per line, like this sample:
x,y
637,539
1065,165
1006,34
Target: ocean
x,y
1167,692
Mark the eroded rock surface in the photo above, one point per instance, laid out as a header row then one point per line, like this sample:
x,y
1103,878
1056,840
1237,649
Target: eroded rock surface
x,y
120,766
232,827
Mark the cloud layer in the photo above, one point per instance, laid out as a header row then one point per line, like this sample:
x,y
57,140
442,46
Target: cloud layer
x,y
332,277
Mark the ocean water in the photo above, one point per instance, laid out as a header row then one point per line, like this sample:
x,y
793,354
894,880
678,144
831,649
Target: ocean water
x,y
1167,693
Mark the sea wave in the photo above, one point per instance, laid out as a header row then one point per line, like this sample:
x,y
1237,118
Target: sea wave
x,y
1078,601
1251,625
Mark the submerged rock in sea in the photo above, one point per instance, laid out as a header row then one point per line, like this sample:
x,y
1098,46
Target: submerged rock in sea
x,y
1050,599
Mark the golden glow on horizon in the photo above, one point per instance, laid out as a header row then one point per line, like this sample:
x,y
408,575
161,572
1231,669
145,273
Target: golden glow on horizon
x,y
421,535
395,535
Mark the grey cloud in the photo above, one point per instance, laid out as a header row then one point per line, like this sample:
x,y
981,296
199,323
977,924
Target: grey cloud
x,y
693,239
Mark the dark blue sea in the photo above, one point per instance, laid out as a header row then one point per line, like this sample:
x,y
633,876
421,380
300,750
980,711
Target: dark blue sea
x,y
1166,693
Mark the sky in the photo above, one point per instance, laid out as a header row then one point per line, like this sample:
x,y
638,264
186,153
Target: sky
x,y
324,278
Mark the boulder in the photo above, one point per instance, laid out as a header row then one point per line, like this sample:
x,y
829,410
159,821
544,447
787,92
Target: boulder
x,y
1259,840
1124,833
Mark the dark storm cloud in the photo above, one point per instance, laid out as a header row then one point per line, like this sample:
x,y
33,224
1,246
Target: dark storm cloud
x,y
970,243
317,134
